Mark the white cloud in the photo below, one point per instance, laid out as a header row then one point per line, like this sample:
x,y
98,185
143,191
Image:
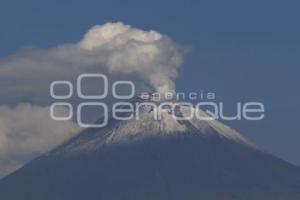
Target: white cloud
x,y
27,131
114,48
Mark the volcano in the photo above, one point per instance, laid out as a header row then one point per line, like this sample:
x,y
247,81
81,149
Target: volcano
x,y
166,159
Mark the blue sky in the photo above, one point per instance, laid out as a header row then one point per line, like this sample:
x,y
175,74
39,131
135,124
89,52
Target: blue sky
x,y
242,51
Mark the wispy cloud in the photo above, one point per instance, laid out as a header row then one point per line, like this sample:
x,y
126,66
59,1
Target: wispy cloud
x,y
113,48
27,131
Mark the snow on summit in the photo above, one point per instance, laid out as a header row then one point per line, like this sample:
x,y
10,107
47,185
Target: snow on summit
x,y
146,126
